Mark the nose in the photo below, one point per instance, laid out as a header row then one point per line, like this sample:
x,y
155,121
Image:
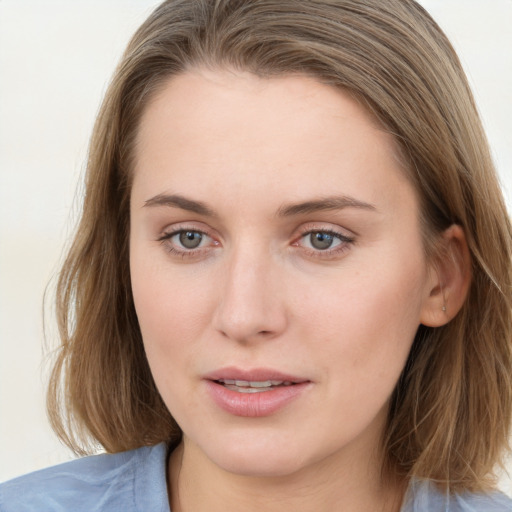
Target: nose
x,y
251,304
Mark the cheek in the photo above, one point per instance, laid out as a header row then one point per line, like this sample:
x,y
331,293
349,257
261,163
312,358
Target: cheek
x,y
366,320
171,310
171,306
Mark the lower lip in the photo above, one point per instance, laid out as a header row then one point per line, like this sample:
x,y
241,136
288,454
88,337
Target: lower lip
x,y
254,405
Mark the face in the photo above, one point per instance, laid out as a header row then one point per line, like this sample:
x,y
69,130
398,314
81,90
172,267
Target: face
x,y
277,267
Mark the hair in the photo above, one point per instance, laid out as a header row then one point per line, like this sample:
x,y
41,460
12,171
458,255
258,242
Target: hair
x,y
450,414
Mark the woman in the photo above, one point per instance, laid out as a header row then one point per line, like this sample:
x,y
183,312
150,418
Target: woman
x,y
290,287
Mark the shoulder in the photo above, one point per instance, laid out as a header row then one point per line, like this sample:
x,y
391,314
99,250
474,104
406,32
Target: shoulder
x,y
128,481
423,496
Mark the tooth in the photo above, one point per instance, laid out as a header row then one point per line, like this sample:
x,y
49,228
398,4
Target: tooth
x,y
287,383
248,389
253,390
276,382
260,384
228,381
244,383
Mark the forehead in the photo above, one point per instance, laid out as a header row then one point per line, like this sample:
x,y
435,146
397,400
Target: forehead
x,y
205,127
204,97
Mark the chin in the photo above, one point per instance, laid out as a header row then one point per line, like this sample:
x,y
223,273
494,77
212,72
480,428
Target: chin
x,y
258,455
260,464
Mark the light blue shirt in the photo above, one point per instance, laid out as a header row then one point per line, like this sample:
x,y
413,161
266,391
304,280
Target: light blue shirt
x,y
135,481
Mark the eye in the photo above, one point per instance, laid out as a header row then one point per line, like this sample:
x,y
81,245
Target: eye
x,y
187,242
321,240
323,243
189,239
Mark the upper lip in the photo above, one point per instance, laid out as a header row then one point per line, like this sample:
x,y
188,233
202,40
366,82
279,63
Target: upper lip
x,y
253,375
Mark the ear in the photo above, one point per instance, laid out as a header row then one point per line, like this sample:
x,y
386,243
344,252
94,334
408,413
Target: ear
x,y
450,278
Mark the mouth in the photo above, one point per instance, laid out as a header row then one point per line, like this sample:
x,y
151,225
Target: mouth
x,y
258,386
256,392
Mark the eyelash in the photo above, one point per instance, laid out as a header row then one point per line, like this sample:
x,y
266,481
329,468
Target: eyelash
x,y
165,240
345,242
338,250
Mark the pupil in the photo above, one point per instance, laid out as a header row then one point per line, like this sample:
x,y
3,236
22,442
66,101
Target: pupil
x,y
321,241
190,239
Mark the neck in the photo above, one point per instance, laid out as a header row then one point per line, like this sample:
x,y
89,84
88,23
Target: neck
x,y
355,485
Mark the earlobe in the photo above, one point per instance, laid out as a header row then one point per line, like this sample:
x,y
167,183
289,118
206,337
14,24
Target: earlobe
x,y
450,279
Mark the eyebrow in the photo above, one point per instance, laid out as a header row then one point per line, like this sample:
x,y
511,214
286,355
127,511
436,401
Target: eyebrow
x,y
323,204
287,210
177,201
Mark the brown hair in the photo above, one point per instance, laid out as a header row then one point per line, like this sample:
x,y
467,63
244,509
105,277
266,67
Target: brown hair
x,y
450,414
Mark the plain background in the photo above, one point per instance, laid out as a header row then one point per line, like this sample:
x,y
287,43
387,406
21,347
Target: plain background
x,y
56,58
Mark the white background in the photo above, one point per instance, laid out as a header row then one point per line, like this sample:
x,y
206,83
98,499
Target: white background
x,y
56,58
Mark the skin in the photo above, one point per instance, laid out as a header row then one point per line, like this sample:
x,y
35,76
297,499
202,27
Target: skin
x,y
256,292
